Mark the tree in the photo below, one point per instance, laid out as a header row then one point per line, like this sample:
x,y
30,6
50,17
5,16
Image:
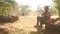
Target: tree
x,y
11,1
5,8
15,7
57,6
1,0
23,9
27,11
53,11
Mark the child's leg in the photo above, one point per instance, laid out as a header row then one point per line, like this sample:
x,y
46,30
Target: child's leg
x,y
38,20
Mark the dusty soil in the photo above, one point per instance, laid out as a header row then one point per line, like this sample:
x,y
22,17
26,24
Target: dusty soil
x,y
25,25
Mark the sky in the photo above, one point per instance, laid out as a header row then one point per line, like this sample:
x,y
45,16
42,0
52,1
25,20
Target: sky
x,y
34,3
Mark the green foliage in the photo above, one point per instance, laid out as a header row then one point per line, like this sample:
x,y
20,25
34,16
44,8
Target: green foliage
x,y
1,0
57,6
15,7
5,8
13,2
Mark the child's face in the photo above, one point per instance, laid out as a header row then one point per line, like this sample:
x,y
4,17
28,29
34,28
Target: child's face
x,y
46,8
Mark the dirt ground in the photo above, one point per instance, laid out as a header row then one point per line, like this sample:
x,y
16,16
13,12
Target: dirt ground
x,y
26,23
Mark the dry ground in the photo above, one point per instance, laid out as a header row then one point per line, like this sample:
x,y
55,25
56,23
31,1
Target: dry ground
x,y
26,23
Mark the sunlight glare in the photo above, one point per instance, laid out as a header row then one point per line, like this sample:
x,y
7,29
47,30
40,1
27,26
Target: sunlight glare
x,y
34,3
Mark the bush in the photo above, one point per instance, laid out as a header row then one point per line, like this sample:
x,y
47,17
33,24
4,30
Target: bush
x,y
8,18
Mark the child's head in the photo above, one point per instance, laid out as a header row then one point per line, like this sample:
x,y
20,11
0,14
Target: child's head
x,y
46,8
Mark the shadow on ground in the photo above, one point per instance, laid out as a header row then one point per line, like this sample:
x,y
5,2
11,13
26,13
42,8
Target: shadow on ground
x,y
32,32
38,32
46,32
50,29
